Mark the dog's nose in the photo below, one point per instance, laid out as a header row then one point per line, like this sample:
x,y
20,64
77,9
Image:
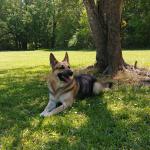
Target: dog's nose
x,y
70,73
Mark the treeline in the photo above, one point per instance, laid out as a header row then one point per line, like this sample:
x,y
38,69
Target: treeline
x,y
61,24
136,24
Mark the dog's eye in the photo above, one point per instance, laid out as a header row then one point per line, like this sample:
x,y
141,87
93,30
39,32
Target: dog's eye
x,y
62,67
69,67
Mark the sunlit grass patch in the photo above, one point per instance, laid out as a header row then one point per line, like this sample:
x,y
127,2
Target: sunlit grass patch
x,y
142,57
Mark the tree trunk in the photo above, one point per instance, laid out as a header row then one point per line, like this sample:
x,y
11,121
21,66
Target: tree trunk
x,y
24,44
53,34
104,19
97,33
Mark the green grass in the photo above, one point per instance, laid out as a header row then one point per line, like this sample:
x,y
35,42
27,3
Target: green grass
x,y
118,119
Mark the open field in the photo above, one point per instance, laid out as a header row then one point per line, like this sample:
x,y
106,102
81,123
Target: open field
x,y
118,119
11,60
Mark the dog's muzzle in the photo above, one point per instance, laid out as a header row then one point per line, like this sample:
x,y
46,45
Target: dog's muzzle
x,y
65,75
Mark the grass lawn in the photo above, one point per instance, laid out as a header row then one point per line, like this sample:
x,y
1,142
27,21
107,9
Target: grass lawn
x,y
118,119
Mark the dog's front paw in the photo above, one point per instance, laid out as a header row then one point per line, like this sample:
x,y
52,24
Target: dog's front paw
x,y
45,114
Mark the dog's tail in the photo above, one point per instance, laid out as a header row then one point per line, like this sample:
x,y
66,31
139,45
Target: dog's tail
x,y
98,87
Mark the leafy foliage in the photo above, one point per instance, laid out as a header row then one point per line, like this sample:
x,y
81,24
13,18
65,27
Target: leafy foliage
x,y
33,24
38,23
137,16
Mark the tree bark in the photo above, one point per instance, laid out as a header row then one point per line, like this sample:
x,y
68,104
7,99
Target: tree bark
x,y
115,59
97,33
24,44
104,19
53,34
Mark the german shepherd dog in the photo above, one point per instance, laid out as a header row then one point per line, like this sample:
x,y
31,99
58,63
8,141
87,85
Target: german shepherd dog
x,y
64,87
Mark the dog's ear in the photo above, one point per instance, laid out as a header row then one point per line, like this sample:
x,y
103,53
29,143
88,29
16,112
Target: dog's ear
x,y
66,58
53,60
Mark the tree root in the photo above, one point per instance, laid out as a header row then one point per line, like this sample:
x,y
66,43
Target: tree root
x,y
145,82
127,73
139,71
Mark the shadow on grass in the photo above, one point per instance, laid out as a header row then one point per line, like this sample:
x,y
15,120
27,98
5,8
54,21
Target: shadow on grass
x,y
92,123
21,97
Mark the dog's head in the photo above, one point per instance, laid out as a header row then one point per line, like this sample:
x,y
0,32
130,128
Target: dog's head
x,y
61,69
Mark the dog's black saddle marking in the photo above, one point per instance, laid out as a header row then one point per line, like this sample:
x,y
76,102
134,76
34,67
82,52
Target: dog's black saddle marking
x,y
86,83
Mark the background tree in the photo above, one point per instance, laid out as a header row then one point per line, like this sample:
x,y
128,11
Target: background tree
x,y
136,15
63,24
38,24
105,19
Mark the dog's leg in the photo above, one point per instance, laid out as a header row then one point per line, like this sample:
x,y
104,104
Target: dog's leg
x,y
50,106
59,109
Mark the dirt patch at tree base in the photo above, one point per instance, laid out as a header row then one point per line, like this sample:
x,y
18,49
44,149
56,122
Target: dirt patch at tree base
x,y
128,75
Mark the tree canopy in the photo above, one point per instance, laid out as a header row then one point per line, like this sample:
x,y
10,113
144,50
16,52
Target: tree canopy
x,y
33,24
